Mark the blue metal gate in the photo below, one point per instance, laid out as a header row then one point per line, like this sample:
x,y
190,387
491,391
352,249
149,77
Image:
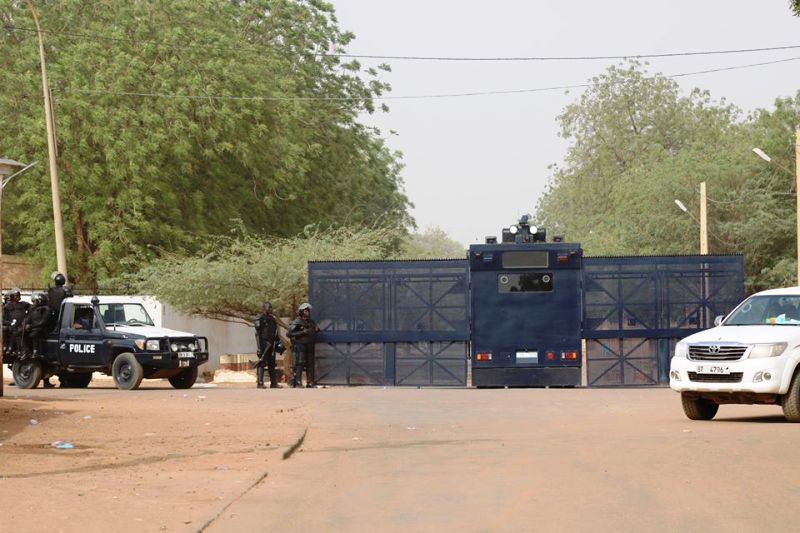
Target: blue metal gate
x,y
637,308
391,322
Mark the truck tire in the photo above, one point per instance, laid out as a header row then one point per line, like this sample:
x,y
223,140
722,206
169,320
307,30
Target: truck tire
x,y
699,408
127,372
185,379
27,373
791,400
75,381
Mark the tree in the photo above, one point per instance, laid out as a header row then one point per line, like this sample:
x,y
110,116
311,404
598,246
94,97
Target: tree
x,y
143,176
433,243
637,144
232,279
795,5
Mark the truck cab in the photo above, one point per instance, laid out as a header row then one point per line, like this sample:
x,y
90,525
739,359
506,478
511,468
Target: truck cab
x,y
113,335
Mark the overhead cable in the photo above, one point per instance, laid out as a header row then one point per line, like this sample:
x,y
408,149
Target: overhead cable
x,y
343,55
401,97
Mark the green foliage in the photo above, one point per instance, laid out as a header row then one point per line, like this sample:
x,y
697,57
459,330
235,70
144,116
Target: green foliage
x,y
144,176
795,6
433,243
637,144
232,281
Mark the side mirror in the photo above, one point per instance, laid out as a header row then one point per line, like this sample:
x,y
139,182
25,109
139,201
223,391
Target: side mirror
x,y
718,319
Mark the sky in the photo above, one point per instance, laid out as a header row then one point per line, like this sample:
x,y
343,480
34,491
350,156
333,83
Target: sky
x,y
475,164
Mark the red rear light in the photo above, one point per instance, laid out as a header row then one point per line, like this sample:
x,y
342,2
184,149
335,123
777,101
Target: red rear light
x,y
551,356
562,259
483,356
570,356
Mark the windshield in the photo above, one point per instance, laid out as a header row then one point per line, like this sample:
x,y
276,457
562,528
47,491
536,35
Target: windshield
x,y
758,310
125,315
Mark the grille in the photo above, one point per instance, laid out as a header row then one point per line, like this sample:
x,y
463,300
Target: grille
x,y
733,377
721,352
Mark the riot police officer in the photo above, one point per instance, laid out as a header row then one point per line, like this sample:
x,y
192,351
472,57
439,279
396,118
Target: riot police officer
x,y
266,341
17,313
303,333
57,293
6,323
35,323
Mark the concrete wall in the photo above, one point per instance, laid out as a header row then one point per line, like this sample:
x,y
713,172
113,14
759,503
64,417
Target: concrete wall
x,y
16,271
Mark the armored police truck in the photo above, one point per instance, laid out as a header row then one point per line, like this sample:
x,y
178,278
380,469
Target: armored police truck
x,y
112,335
526,308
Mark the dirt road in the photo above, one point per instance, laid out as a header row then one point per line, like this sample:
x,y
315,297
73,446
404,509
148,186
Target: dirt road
x,y
391,460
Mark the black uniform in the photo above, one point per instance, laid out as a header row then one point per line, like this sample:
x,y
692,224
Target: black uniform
x,y
56,295
6,326
266,340
303,334
17,313
34,327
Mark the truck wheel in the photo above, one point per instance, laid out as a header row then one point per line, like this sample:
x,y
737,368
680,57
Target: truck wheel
x,y
75,381
791,400
127,371
27,373
699,408
185,379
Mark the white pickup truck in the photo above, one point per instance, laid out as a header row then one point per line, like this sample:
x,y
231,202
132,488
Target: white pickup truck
x,y
750,357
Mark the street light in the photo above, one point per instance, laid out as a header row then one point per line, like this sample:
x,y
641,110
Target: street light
x,y
760,153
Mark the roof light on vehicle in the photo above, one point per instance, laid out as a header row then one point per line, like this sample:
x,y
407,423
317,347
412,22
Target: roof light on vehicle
x,y
767,350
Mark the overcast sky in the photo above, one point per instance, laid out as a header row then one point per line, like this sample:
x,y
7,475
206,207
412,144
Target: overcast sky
x,y
474,164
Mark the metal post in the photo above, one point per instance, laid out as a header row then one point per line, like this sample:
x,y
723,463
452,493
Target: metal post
x,y
703,219
51,150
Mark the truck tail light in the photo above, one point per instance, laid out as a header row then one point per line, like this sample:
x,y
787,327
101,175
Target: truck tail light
x,y
483,356
562,259
569,356
550,356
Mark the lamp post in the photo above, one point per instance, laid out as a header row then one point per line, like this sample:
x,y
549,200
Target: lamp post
x,y
760,153
703,218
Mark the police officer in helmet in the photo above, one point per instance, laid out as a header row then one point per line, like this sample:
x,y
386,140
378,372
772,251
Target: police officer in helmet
x,y
303,333
57,293
34,328
17,313
267,342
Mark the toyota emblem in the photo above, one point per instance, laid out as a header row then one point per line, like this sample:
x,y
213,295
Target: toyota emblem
x,y
714,348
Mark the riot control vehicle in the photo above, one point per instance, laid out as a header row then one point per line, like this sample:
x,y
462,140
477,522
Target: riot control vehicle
x,y
526,310
113,335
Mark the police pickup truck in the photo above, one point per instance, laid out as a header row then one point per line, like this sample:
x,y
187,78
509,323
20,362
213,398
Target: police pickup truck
x,y
750,357
116,336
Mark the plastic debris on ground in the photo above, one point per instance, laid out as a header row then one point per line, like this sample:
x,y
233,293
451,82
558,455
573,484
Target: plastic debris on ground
x,y
62,445
34,421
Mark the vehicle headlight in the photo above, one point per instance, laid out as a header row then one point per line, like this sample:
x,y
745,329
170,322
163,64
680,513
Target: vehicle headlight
x,y
153,345
681,349
767,350
193,346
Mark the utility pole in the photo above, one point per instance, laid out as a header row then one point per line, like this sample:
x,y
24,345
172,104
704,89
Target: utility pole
x,y
51,150
704,219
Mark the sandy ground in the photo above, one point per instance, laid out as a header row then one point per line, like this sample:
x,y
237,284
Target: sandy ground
x,y
370,459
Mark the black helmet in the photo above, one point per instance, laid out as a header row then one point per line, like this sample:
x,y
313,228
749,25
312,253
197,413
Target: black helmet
x,y
39,298
279,347
59,278
15,294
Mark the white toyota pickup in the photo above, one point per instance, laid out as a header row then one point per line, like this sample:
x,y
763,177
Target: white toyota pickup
x,y
750,357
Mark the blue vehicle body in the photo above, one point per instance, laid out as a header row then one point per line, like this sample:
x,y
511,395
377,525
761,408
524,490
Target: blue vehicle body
x,y
526,310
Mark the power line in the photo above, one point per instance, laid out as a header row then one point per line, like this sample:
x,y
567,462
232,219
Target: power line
x,y
405,97
418,58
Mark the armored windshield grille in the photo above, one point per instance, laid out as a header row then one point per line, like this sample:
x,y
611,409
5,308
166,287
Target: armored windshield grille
x,y
716,352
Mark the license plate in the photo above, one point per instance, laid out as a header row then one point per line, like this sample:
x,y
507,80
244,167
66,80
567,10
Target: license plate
x,y
713,369
184,363
185,355
528,356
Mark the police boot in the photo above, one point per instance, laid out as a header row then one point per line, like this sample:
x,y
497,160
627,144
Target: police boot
x,y
260,377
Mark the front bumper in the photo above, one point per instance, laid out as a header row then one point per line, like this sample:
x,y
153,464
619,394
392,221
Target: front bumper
x,y
749,368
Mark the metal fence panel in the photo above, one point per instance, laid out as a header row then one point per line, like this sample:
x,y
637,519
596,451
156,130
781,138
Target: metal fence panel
x,y
391,322
636,308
